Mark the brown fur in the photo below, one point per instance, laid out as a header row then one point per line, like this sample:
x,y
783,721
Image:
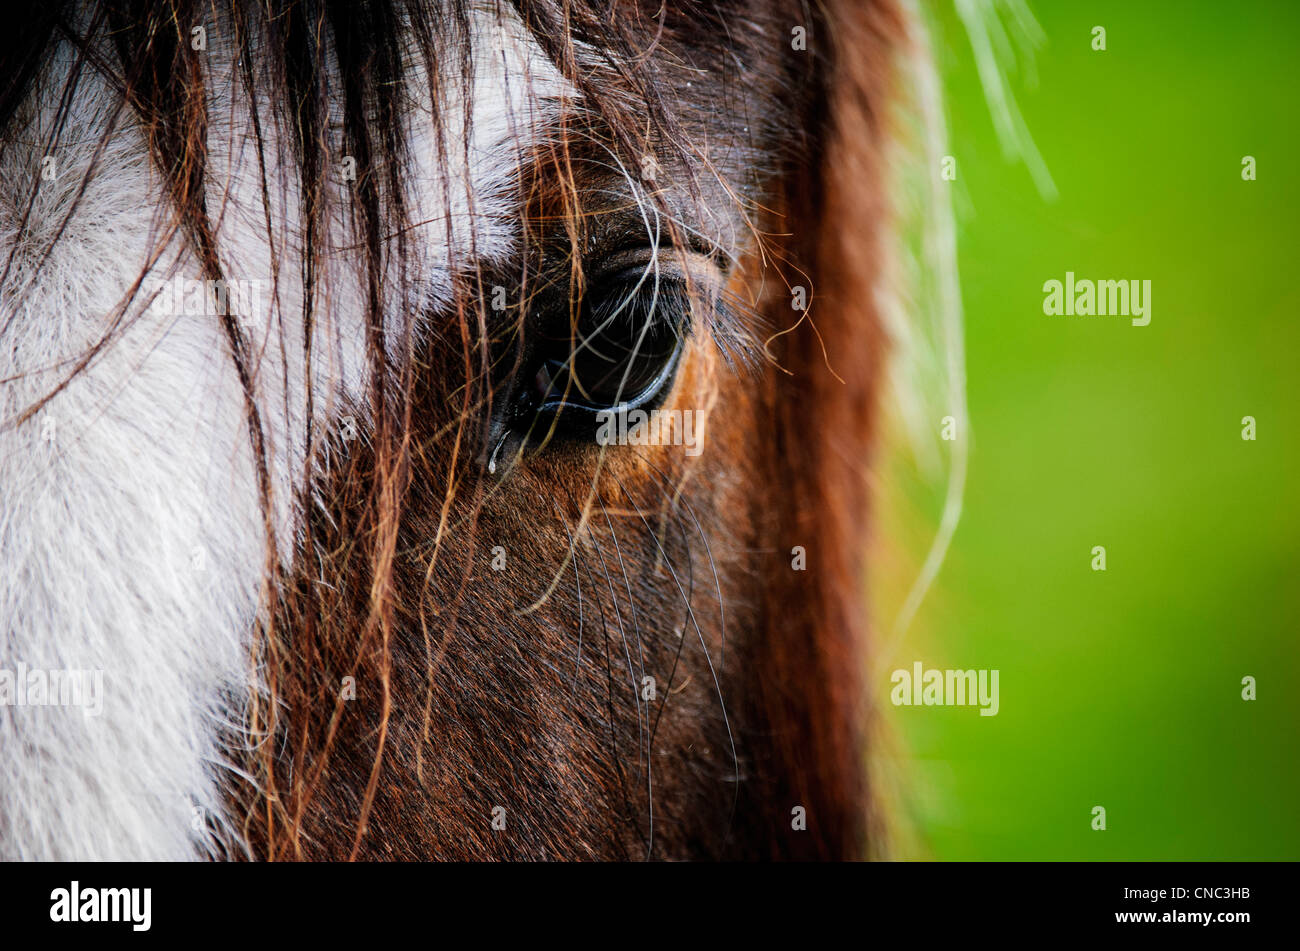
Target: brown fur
x,y
472,704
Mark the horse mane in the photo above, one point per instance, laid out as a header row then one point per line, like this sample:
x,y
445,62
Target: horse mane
x,y
814,700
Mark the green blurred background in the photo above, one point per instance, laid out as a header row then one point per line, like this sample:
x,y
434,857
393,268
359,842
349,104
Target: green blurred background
x,y
1119,688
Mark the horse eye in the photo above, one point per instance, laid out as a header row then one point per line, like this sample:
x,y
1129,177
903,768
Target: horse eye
x,y
621,353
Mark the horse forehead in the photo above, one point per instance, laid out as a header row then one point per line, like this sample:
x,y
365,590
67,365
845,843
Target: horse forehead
x,y
467,134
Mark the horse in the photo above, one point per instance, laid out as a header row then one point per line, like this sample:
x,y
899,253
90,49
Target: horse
x,y
445,425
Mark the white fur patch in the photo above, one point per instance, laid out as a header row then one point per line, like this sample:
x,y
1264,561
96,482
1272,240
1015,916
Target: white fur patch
x,y
131,537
